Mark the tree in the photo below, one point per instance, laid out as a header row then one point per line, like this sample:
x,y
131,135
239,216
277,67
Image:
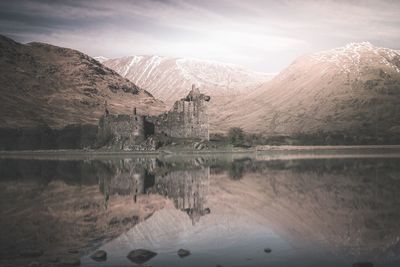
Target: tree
x,y
236,136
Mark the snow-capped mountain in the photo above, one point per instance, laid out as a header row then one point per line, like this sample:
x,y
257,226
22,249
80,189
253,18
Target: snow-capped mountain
x,y
170,79
353,89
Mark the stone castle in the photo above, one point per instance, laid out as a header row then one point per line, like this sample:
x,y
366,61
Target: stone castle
x,y
188,118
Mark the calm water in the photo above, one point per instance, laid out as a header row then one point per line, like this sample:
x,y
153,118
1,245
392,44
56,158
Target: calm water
x,y
315,210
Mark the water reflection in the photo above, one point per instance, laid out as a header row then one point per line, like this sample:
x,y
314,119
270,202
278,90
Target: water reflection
x,y
186,186
225,209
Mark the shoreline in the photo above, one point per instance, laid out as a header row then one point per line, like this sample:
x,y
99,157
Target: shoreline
x,y
328,147
258,150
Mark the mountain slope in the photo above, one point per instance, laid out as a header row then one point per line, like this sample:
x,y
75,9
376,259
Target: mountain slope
x,y
48,85
170,79
353,89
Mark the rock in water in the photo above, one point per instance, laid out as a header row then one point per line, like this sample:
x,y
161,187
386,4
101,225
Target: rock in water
x,y
99,255
31,253
267,250
140,256
183,253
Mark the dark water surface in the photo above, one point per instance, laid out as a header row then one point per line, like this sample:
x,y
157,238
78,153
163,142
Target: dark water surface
x,y
321,210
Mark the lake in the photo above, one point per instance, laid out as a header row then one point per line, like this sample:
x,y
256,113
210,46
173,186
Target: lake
x,y
268,209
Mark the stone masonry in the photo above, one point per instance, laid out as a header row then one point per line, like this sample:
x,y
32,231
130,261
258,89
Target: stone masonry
x,y
188,118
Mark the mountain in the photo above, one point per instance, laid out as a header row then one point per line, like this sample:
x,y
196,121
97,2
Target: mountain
x,y
46,85
354,90
170,79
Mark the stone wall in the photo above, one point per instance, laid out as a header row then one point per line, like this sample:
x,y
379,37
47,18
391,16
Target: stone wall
x,y
188,118
121,131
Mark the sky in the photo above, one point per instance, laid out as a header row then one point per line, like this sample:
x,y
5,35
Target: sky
x,y
264,35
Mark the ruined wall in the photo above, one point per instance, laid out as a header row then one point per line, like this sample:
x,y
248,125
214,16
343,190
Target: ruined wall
x,y
188,118
121,131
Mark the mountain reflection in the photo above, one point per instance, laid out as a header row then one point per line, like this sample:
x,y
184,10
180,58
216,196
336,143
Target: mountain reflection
x,y
312,212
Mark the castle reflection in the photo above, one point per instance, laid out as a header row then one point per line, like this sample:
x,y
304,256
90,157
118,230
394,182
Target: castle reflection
x,y
186,186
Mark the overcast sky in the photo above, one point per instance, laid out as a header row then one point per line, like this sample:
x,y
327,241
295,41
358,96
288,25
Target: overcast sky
x,y
262,35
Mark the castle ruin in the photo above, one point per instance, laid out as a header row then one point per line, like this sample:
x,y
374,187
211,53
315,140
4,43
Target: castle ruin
x,y
188,118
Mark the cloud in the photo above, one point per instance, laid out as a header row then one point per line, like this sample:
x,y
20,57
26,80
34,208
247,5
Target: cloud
x,y
264,35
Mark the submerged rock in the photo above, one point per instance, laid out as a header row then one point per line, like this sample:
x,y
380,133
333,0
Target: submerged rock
x,y
31,253
99,255
140,256
267,250
183,253
70,261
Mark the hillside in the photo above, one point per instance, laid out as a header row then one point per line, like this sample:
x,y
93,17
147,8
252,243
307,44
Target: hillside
x,y
353,90
45,85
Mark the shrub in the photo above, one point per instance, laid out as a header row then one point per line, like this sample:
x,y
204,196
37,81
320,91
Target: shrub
x,y
236,136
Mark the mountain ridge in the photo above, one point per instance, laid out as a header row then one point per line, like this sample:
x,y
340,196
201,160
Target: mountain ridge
x,y
353,89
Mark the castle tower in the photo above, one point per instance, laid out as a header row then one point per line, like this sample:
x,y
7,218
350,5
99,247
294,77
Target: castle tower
x,y
188,118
